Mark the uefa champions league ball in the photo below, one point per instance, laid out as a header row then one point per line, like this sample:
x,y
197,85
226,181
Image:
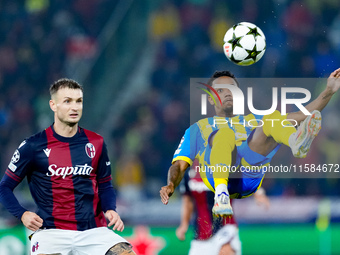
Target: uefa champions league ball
x,y
244,44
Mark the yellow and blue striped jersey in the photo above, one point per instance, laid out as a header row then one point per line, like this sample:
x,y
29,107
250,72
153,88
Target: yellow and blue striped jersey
x,y
196,137
195,144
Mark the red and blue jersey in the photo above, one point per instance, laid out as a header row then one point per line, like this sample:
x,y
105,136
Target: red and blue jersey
x,y
69,179
205,225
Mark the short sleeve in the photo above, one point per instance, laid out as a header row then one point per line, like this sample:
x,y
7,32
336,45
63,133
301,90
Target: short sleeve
x,y
187,148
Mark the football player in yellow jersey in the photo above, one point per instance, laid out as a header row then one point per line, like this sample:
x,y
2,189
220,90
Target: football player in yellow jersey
x,y
223,143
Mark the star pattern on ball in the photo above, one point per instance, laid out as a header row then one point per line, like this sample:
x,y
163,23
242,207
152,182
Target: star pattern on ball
x,y
252,54
253,31
234,60
244,44
235,41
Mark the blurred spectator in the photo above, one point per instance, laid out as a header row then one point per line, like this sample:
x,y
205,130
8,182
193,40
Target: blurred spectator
x,y
130,178
164,23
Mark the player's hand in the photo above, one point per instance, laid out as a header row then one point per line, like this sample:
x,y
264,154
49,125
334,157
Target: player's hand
x,y
31,220
166,192
115,220
333,81
181,231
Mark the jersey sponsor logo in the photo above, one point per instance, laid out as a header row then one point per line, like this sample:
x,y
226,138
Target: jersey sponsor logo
x,y
15,157
64,171
108,163
90,150
47,152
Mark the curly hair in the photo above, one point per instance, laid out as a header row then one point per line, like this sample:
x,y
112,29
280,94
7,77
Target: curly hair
x,y
218,74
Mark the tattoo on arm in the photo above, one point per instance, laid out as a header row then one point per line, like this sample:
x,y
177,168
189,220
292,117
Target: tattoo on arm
x,y
121,249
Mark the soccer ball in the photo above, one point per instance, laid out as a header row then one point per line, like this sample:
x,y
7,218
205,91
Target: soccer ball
x,y
244,44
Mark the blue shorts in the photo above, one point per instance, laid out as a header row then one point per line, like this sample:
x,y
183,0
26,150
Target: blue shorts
x,y
246,174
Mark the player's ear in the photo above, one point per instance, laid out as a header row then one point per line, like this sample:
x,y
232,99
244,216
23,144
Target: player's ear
x,y
211,101
53,105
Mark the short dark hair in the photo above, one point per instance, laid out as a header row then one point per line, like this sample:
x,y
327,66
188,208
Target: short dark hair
x,y
218,74
64,83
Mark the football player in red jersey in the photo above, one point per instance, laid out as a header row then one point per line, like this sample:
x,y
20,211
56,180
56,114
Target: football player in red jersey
x,y
213,235
69,176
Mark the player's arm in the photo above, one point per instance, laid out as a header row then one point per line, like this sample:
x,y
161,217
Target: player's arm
x,y
106,191
175,175
14,174
31,220
186,213
333,84
107,196
183,158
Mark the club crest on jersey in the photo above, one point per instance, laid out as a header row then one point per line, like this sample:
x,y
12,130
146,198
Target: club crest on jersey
x,y
90,150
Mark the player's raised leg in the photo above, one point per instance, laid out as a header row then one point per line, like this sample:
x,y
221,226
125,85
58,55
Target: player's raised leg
x,y
283,132
301,140
222,146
